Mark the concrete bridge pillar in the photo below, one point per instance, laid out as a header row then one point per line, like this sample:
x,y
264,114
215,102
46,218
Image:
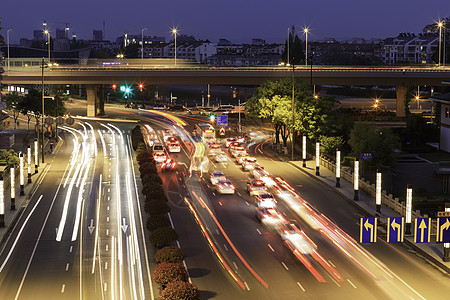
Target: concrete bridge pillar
x,y
401,92
95,101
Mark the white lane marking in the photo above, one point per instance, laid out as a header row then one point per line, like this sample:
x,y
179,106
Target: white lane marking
x,y
106,247
225,246
246,203
235,265
107,231
220,203
109,198
217,230
331,264
107,219
298,283
107,208
106,265
284,265
351,283
105,286
271,247
214,194
335,282
246,285
67,267
71,249
63,288
109,190
258,231
238,193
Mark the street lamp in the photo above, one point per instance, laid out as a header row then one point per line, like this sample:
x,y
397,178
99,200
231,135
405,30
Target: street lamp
x,y
440,24
142,46
47,32
293,110
7,39
174,32
43,106
288,40
306,31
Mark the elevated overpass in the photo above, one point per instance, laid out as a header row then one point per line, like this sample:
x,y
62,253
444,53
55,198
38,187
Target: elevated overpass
x,y
96,76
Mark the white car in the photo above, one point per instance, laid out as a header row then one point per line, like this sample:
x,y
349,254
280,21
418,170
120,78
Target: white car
x,y
214,177
261,174
160,157
214,149
220,158
241,157
256,187
225,187
294,238
269,216
249,163
237,150
174,147
229,141
266,200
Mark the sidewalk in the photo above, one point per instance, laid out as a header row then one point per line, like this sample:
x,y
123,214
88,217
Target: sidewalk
x,y
366,203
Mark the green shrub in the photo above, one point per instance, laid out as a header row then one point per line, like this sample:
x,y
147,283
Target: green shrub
x,y
151,178
157,221
168,272
147,168
170,254
163,236
154,191
180,290
155,207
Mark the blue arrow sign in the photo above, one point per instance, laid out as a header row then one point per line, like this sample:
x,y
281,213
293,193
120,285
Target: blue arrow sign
x,y
222,120
395,230
443,230
422,230
368,230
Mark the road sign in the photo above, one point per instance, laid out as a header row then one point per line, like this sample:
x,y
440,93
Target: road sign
x,y
49,120
222,120
422,230
366,156
368,230
222,131
70,121
443,214
395,230
60,120
443,230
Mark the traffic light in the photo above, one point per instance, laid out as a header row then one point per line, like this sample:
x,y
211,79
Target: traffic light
x,y
140,86
114,86
122,88
212,118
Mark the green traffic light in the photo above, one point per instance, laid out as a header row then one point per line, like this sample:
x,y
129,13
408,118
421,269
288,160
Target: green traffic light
x,y
212,117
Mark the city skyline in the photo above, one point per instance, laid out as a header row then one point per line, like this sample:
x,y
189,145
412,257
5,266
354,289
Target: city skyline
x,y
233,20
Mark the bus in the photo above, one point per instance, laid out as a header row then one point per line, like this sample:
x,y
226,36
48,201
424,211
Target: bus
x,y
206,132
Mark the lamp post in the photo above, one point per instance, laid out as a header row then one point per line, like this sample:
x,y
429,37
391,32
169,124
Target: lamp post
x,y
304,150
378,192
29,163
440,24
317,158
293,110
7,40
142,47
47,32
13,187
338,168
21,180
288,41
36,156
2,202
43,106
174,32
306,31
408,208
356,180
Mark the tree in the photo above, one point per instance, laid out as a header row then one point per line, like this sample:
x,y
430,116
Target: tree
x,y
31,106
9,157
163,236
167,272
12,102
151,178
296,54
365,139
180,290
56,107
155,207
170,254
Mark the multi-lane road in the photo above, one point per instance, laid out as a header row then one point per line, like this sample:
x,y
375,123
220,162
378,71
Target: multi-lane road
x,y
81,235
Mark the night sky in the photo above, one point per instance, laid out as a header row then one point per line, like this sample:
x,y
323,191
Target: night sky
x,y
236,20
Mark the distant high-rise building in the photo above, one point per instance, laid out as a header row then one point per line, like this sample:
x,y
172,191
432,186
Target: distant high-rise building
x,y
97,35
38,35
60,33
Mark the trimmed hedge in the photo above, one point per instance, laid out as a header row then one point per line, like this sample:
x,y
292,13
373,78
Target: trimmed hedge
x,y
147,168
170,254
155,207
167,272
151,178
154,192
157,221
163,236
180,290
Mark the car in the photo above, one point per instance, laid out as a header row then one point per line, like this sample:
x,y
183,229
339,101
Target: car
x,y
237,150
171,139
234,144
269,216
160,157
157,148
256,187
214,177
266,200
195,110
249,163
220,157
174,147
241,139
295,238
168,165
258,172
177,108
241,157
229,141
225,187
214,149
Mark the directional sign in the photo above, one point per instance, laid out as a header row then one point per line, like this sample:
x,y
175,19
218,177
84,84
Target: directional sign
x,y
395,230
443,230
222,131
70,121
60,120
443,214
368,230
222,120
49,120
422,230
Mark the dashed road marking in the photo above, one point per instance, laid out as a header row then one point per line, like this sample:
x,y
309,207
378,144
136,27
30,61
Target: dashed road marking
x,y
258,231
106,265
107,247
235,265
246,285
225,246
63,288
284,265
71,249
67,267
298,283
351,283
271,247
331,264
